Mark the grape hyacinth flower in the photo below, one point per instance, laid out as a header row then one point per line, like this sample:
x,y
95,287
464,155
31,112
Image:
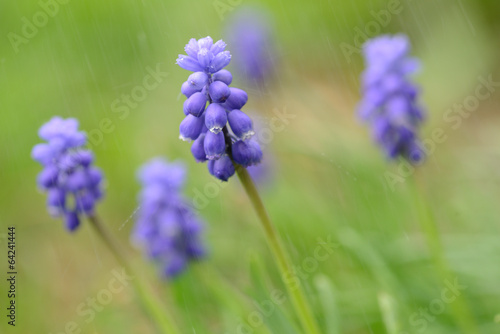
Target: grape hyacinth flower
x,y
220,130
222,135
166,228
71,181
389,104
249,34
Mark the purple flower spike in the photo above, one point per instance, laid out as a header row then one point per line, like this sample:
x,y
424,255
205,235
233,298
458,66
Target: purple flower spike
x,y
224,124
249,32
68,171
166,229
389,103
171,176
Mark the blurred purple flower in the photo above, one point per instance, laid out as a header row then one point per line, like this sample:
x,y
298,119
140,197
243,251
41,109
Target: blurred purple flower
x,y
250,36
389,104
220,128
68,172
166,229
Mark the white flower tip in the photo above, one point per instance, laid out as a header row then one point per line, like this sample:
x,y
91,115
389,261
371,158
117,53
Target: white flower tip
x,y
247,135
181,137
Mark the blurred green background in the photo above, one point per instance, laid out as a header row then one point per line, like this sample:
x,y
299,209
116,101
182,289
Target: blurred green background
x,y
328,178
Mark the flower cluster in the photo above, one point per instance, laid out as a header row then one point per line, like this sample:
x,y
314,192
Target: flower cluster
x,y
249,34
220,131
166,227
68,177
389,101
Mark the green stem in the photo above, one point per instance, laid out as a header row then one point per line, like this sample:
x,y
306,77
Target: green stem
x,y
163,320
426,218
299,300
235,302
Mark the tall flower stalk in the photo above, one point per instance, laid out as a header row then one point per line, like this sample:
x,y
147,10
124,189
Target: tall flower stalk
x,y
163,320
281,256
459,306
222,135
73,186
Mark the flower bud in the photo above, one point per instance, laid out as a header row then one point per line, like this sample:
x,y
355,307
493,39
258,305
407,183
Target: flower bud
x,y
191,127
218,47
205,57
220,61
223,75
223,168
56,198
215,118
189,63
241,124
72,221
237,99
84,157
48,177
198,80
206,43
198,149
210,165
192,48
76,181
195,104
43,153
188,90
416,153
85,203
246,153
175,266
219,91
94,177
215,145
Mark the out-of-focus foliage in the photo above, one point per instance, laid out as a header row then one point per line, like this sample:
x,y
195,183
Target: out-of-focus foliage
x,y
88,60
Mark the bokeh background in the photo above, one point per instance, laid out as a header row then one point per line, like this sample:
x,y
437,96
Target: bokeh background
x,y
326,177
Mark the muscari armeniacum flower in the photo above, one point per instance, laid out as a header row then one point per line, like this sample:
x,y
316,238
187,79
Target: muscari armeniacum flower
x,y
71,181
249,34
389,103
214,121
167,228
